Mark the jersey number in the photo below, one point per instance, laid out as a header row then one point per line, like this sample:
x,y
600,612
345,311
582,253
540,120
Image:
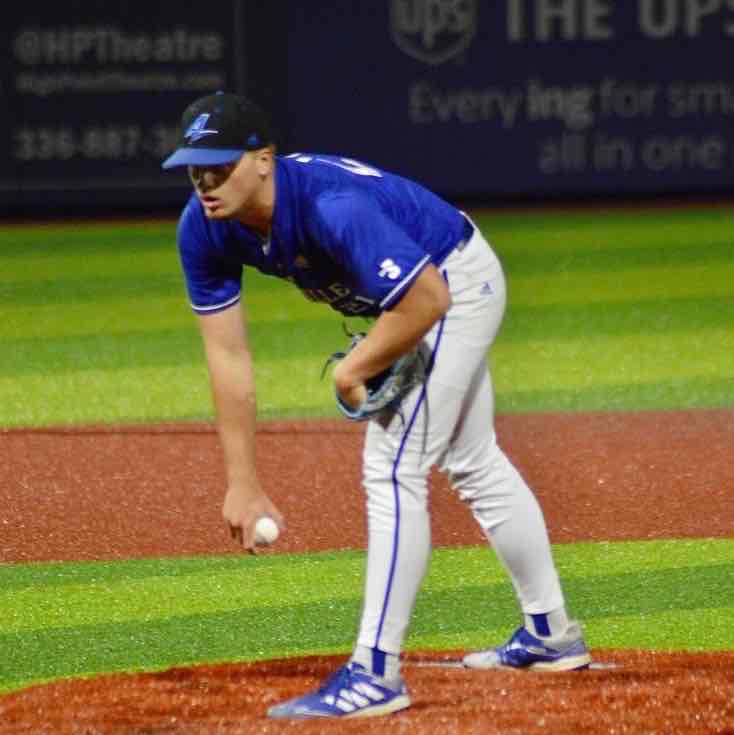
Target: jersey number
x,y
348,164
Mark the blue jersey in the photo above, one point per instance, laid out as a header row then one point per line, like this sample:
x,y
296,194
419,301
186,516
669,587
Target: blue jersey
x,y
346,234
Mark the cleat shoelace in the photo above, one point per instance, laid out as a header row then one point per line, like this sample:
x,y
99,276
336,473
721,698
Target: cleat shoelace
x,y
340,679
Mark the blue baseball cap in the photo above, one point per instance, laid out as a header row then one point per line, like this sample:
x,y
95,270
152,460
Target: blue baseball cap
x,y
217,129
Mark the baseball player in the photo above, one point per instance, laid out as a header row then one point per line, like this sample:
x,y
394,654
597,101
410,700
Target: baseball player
x,y
373,244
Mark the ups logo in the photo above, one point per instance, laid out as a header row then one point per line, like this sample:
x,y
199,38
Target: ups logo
x,y
433,31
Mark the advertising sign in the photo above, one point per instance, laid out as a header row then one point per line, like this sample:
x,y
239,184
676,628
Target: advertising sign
x,y
518,97
475,98
92,93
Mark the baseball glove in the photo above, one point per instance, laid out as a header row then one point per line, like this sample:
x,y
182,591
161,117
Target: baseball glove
x,y
386,389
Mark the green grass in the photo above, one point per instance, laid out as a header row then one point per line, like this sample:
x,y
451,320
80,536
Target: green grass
x,y
60,620
608,311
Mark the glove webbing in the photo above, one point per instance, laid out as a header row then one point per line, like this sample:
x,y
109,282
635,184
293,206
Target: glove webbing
x,y
356,338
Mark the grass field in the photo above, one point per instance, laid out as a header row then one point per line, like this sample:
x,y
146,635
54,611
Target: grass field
x,y
621,310
79,619
607,311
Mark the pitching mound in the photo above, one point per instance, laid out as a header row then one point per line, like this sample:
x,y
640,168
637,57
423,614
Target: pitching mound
x,y
633,692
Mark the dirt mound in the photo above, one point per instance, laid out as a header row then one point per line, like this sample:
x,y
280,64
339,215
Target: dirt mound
x,y
634,692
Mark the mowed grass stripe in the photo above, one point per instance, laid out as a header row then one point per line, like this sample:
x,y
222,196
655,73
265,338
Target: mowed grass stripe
x,y
643,285
583,258
75,280
599,359
94,396
104,289
542,377
149,313
557,230
102,594
119,585
95,352
183,396
209,609
242,635
58,239
96,265
113,319
534,242
271,341
281,339
566,232
662,395
616,318
642,396
50,575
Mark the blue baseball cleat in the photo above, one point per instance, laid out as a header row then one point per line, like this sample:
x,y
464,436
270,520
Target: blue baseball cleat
x,y
525,651
351,691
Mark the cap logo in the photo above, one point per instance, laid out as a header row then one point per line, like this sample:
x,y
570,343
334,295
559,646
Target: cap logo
x,y
197,130
253,140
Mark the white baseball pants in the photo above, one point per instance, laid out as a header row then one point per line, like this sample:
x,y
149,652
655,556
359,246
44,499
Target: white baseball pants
x,y
449,423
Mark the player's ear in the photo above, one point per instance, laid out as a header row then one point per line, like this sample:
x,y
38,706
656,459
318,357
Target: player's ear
x,y
264,158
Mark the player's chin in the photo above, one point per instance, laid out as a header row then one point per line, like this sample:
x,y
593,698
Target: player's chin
x,y
216,211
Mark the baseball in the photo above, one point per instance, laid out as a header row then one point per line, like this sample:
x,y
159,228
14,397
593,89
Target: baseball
x,y
266,531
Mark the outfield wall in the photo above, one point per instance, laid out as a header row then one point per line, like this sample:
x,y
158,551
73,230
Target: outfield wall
x,y
476,98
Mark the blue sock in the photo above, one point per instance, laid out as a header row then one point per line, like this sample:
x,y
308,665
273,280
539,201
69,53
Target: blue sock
x,y
547,625
540,625
378,662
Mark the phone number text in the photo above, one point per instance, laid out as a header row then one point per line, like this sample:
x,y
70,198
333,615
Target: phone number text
x,y
107,143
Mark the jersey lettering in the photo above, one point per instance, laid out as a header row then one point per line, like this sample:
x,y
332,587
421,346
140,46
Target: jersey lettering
x,y
329,294
348,164
339,297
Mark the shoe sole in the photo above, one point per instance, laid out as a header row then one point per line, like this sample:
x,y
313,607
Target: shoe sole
x,y
394,705
570,663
